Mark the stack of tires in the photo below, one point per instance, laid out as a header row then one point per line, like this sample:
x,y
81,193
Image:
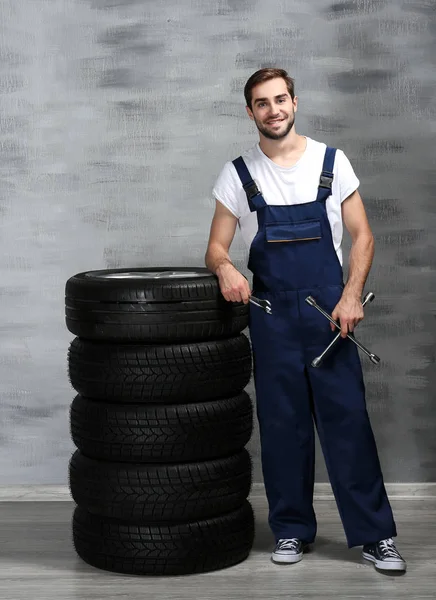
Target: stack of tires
x,y
161,476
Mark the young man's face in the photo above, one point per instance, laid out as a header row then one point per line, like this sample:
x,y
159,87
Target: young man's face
x,y
273,109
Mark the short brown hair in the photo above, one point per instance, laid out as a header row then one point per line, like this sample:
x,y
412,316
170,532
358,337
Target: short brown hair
x,y
265,75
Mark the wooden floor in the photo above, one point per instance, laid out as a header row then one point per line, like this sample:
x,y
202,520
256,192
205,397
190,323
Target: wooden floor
x,y
38,562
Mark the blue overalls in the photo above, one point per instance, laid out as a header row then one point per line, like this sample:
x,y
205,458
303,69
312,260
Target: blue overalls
x,y
291,257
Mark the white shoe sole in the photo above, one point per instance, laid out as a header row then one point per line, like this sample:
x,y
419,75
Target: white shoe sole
x,y
288,558
396,565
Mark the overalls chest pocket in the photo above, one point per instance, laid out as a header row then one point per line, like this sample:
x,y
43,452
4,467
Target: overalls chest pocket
x,y
291,231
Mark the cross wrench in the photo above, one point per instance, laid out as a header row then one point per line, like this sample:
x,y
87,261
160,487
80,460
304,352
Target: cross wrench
x,y
265,304
373,357
318,360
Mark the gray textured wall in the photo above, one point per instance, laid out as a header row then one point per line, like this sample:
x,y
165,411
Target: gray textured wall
x,y
116,117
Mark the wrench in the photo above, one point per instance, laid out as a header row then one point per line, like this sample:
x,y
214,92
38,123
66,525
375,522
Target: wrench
x,y
265,304
318,360
373,357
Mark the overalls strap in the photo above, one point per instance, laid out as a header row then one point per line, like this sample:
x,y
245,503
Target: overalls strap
x,y
326,179
254,195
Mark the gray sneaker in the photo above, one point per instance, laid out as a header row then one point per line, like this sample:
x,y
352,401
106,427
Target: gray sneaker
x,y
288,551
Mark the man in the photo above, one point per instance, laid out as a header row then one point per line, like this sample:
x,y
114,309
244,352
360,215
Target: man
x,y
290,196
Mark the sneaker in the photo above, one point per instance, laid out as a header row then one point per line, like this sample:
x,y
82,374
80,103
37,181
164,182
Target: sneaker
x,y
384,555
288,551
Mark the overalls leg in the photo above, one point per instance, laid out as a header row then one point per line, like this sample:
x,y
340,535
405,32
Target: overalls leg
x,y
285,419
344,429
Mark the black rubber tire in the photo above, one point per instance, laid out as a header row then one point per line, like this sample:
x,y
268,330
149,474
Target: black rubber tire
x,y
95,286
164,549
166,373
189,308
155,433
172,493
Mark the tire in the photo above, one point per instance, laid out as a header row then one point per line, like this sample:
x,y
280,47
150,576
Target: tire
x,y
161,434
184,305
164,549
181,492
167,373
140,284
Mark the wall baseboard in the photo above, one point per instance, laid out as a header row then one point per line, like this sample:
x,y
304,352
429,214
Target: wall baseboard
x,y
323,491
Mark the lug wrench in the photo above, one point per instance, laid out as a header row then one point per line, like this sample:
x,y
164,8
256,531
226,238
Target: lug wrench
x,y
265,304
373,357
318,360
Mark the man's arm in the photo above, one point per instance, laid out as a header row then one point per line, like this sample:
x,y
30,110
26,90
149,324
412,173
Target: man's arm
x,y
234,286
222,232
362,248
349,309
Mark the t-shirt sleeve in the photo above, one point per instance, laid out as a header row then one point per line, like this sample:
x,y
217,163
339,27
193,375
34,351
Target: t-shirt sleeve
x,y
227,189
348,181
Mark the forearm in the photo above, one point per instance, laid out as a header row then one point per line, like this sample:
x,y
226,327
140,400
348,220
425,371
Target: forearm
x,y
360,262
217,259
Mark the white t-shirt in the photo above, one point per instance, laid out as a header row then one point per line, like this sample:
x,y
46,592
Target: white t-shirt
x,y
287,185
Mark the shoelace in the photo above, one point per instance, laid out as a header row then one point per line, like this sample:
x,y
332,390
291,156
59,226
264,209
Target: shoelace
x,y
287,544
388,549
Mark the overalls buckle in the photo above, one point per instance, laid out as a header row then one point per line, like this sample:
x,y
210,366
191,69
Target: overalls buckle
x,y
251,189
325,181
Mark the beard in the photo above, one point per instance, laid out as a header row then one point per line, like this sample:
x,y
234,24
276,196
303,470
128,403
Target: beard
x,y
273,135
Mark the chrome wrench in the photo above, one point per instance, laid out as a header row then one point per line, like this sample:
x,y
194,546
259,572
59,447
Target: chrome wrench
x,y
318,360
373,357
265,304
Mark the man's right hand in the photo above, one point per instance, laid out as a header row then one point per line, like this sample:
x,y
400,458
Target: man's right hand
x,y
233,285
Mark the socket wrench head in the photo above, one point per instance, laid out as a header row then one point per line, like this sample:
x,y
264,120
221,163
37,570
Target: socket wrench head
x,y
368,298
310,300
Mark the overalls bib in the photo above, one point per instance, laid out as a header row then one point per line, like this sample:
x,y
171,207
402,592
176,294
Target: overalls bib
x,y
291,257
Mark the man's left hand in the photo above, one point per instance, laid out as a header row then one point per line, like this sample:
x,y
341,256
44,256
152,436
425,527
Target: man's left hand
x,y
349,312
